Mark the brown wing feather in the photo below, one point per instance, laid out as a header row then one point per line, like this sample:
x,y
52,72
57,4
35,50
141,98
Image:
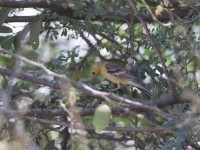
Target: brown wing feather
x,y
119,71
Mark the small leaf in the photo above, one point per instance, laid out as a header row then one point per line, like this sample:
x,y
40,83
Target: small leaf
x,y
5,29
20,36
101,117
6,42
35,27
121,33
142,123
104,41
50,145
4,14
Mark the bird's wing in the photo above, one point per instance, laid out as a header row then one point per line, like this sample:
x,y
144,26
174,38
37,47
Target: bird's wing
x,y
119,72
114,68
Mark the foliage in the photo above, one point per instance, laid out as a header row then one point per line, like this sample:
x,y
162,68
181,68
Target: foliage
x,y
68,44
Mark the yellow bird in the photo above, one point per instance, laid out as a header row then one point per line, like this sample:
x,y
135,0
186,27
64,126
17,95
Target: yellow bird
x,y
116,74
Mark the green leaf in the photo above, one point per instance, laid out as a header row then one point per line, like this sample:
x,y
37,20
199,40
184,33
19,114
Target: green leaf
x,y
143,123
101,117
4,61
6,42
35,28
4,14
5,29
20,36
50,145
121,33
31,54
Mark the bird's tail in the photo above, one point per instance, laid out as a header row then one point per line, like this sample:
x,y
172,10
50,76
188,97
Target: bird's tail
x,y
140,87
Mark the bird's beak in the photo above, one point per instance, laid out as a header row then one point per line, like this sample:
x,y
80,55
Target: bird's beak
x,y
94,77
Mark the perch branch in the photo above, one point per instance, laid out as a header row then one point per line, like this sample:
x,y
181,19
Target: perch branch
x,y
90,128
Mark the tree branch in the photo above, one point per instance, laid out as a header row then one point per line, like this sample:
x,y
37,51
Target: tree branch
x,y
86,91
147,105
134,104
39,65
116,110
90,128
57,7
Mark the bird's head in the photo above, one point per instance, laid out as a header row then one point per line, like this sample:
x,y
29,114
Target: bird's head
x,y
95,69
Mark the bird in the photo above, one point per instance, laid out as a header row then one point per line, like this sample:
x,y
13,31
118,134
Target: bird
x,y
117,74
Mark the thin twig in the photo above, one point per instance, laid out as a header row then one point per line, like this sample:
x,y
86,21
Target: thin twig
x,y
157,49
109,96
49,72
32,79
151,13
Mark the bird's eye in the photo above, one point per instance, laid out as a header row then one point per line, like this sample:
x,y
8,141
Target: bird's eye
x,y
93,73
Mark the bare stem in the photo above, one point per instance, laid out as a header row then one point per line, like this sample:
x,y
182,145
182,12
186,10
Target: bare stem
x,y
157,49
